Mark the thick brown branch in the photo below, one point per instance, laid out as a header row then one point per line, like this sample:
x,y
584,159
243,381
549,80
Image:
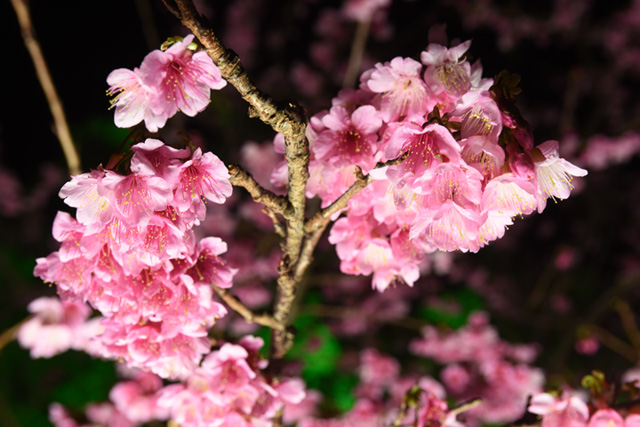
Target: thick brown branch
x,y
245,312
289,120
42,71
282,340
241,178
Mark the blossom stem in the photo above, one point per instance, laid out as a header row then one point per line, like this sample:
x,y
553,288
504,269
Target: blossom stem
x,y
42,71
248,315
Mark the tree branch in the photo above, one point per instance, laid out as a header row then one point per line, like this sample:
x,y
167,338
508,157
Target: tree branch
x,y
248,315
290,120
241,178
55,105
10,334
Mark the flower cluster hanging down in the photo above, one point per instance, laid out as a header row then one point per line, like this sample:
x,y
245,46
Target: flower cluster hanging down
x,y
466,163
131,253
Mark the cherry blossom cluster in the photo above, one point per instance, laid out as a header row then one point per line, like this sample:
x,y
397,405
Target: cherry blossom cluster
x,y
480,364
227,389
177,78
131,254
465,163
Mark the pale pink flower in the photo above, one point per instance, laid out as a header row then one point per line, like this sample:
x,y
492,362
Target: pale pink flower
x,y
228,368
559,412
133,99
54,326
363,10
107,415
480,115
298,412
402,93
164,160
209,268
137,399
606,418
204,175
426,146
632,420
260,160
137,195
60,417
456,378
554,174
445,71
182,79
93,201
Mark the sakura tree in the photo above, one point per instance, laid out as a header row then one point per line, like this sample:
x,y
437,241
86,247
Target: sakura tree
x,y
233,293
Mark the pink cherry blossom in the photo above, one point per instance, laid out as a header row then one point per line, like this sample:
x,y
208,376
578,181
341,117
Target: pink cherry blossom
x,y
349,138
204,175
137,399
554,174
176,79
445,71
559,412
606,418
54,327
133,99
183,79
401,92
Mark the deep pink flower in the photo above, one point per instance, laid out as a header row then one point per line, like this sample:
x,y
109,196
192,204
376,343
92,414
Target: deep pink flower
x,y
349,138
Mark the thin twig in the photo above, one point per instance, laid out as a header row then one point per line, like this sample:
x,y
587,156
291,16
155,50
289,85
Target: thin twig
x,y
55,105
241,178
10,334
629,324
466,407
357,52
614,343
324,215
245,312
